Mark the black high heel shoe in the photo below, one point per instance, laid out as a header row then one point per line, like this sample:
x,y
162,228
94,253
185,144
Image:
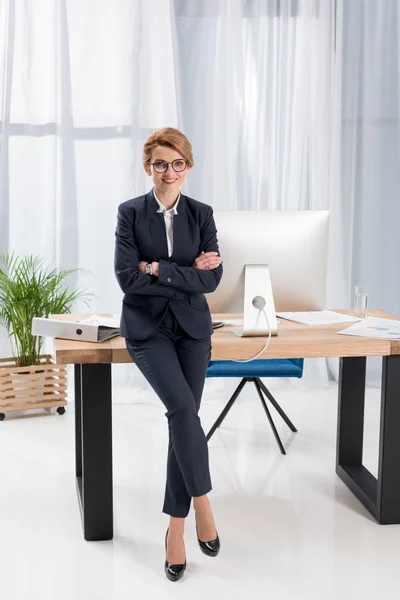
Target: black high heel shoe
x,y
173,572
209,548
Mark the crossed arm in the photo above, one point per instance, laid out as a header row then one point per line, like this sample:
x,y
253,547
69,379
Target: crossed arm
x,y
202,277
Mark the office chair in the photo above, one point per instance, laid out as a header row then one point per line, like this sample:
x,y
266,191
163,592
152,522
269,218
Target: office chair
x,y
251,372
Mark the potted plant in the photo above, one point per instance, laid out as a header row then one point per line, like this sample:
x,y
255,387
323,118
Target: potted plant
x,y
30,289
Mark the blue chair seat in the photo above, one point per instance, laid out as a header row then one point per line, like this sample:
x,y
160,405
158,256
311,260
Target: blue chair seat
x,y
277,367
251,372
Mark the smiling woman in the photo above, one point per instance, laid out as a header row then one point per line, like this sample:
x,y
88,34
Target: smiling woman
x,y
166,259
167,158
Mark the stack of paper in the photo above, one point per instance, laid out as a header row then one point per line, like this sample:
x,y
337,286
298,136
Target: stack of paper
x,y
317,317
375,327
107,327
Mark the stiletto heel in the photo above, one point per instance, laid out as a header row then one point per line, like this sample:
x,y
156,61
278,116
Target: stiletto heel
x,y
173,572
209,548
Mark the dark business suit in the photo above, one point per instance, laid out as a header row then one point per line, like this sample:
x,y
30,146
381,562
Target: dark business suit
x,y
167,323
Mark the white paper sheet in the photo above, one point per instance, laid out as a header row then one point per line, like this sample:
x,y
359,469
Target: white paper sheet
x,y
317,317
375,327
104,321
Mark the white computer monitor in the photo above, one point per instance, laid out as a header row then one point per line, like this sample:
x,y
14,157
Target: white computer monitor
x,y
294,244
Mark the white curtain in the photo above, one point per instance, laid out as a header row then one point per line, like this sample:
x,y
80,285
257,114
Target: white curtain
x,y
371,151
82,84
259,83
256,86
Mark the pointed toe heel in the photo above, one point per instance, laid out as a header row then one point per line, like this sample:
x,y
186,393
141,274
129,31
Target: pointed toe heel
x,y
210,548
173,572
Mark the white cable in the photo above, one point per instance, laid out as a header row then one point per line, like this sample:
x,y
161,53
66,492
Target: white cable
x,y
266,344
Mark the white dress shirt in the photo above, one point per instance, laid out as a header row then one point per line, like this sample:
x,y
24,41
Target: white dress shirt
x,y
169,221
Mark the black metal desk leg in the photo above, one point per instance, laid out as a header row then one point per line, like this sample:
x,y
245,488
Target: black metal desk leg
x,y
380,496
78,426
350,432
388,498
94,451
351,411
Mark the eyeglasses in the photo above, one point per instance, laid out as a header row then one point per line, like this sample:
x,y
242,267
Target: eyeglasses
x,y
160,166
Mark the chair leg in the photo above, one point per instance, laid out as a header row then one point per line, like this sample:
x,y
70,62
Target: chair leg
x,y
276,405
276,434
226,409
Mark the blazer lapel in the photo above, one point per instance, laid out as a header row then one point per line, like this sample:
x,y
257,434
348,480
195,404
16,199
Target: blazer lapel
x,y
158,235
181,232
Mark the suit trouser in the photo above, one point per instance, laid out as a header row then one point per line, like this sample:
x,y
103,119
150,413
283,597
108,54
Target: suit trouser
x,y
175,365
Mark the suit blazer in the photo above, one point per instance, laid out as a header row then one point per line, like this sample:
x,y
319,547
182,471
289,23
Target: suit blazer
x,y
140,235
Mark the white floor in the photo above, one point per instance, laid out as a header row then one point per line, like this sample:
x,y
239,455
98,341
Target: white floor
x,y
289,528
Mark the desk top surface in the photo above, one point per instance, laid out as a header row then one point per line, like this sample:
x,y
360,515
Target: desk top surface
x,y
293,341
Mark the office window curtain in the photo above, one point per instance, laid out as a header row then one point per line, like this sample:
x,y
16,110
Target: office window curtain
x,y
255,84
370,147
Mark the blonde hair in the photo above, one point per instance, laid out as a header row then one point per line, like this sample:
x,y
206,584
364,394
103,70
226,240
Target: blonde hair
x,y
170,138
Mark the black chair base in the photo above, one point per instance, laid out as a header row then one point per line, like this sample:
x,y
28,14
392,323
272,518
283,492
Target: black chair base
x,y
260,387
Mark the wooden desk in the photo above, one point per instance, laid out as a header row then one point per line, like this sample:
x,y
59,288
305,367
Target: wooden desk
x,y
93,396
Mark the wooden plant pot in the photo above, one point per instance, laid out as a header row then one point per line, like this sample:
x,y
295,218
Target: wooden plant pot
x,y
37,386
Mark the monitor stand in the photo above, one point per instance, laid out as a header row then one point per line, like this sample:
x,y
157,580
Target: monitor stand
x,y
257,293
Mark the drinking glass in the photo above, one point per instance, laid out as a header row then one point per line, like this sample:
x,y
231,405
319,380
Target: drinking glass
x,y
361,301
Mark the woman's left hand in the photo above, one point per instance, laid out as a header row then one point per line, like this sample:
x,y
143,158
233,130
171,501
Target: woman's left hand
x,y
154,266
142,266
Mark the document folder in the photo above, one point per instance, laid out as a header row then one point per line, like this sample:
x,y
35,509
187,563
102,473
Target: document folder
x,y
92,329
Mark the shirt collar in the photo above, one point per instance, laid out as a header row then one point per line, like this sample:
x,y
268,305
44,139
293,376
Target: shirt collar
x,y
161,207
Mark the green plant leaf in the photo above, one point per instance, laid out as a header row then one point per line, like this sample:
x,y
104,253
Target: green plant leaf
x,y
30,289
